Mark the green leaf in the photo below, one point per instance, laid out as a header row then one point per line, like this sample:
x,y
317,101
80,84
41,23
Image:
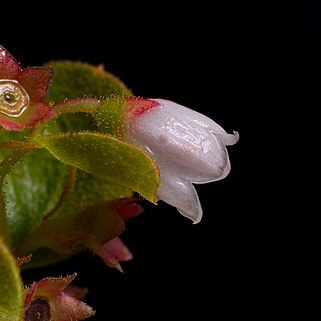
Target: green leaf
x,y
35,185
69,234
107,158
11,287
6,166
90,190
32,189
77,80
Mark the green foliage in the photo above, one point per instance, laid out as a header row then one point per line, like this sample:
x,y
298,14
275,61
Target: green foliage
x,y
90,190
6,166
57,198
32,189
11,288
50,214
107,158
68,234
77,80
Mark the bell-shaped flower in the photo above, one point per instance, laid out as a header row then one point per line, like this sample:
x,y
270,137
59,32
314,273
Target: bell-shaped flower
x,y
187,146
22,93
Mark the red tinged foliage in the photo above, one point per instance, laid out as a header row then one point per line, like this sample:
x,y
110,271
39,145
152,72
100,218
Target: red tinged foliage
x,y
22,94
47,298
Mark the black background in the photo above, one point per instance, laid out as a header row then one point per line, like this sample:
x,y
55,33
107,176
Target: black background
x,y
234,62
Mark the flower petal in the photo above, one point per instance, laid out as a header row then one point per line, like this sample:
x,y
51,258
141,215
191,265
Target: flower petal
x,y
9,67
181,194
229,139
189,147
192,116
36,81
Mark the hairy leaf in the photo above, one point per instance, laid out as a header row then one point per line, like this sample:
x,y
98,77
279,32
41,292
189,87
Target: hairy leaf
x,y
107,158
32,189
77,80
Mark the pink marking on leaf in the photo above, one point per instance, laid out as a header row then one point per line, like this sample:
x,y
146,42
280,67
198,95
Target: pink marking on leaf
x,y
138,106
36,81
9,67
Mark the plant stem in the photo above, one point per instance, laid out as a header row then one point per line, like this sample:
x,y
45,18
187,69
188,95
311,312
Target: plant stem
x,y
19,145
85,105
76,105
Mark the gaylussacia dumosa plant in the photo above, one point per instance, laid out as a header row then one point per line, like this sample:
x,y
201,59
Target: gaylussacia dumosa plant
x,y
75,144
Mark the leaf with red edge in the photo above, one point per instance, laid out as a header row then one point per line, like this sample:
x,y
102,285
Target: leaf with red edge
x,y
47,300
9,67
36,81
29,87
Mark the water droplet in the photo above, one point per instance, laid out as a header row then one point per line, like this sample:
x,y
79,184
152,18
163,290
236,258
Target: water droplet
x,y
14,100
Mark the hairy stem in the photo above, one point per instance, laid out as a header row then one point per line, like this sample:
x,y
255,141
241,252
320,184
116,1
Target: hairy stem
x,y
19,145
85,105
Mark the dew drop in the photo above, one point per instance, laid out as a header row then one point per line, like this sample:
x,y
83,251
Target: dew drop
x,y
14,100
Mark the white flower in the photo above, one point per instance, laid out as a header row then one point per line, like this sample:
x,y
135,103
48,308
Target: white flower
x,y
187,146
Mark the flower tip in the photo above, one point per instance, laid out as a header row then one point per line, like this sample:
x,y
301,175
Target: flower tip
x,y
196,217
230,139
236,137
